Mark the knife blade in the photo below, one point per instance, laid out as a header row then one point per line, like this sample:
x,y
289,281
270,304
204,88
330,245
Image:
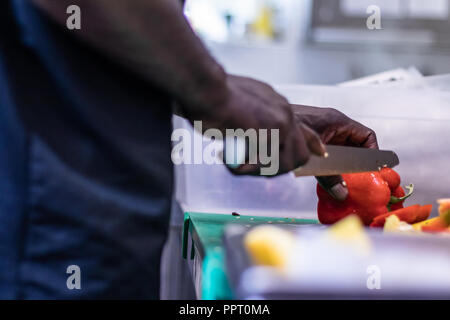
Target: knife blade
x,y
347,160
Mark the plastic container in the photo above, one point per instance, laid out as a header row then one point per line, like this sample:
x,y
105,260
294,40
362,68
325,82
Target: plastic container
x,y
415,123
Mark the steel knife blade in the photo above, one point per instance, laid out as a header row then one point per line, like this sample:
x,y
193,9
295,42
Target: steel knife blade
x,y
347,160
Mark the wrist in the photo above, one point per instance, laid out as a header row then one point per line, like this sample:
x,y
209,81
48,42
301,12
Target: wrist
x,y
205,93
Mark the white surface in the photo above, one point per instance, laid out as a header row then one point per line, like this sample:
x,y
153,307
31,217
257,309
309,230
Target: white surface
x,y
405,266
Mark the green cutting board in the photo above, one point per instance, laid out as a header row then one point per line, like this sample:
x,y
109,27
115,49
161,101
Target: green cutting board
x,y
206,231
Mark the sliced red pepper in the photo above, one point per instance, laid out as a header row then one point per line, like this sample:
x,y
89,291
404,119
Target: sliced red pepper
x,y
424,213
408,214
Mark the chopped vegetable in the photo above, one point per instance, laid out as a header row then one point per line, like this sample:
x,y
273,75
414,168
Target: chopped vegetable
x,y
440,223
394,224
351,230
269,245
411,214
419,225
444,210
424,212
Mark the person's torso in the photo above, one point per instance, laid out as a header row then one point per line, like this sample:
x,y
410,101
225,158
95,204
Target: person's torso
x,y
85,169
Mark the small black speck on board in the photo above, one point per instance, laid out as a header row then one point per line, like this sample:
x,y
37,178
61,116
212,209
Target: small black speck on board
x,y
235,214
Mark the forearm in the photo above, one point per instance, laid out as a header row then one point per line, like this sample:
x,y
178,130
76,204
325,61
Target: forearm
x,y
151,38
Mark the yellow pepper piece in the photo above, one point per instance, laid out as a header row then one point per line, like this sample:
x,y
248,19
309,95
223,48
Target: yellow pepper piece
x,y
418,225
351,230
269,245
394,224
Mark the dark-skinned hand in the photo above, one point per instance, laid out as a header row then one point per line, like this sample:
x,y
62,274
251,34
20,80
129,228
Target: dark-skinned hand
x,y
335,128
249,103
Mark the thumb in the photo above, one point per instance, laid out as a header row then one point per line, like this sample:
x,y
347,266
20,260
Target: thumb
x,y
313,141
335,186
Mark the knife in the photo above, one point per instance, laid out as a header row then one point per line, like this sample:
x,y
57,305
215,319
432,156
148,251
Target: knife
x,y
347,160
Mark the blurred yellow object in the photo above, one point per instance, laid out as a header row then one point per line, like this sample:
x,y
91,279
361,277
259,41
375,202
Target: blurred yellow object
x,y
269,245
351,230
419,225
263,25
393,224
347,228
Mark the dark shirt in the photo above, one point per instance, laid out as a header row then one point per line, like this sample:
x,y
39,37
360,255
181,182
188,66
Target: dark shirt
x,y
85,168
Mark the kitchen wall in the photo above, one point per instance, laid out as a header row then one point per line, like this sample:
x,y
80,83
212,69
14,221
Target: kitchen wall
x,y
305,48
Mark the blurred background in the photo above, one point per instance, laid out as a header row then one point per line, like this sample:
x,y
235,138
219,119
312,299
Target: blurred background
x,y
322,41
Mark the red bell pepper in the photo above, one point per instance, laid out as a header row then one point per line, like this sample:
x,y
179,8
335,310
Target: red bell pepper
x,y
391,177
370,194
398,195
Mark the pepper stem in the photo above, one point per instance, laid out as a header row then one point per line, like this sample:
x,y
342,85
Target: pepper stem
x,y
397,199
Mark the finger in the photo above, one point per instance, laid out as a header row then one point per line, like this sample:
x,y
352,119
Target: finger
x,y
313,141
251,165
288,155
335,186
293,150
300,149
240,166
364,136
371,141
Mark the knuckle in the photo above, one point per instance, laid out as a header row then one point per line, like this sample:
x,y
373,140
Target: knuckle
x,y
269,87
287,111
283,118
262,85
278,122
284,100
374,135
335,112
338,115
266,85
